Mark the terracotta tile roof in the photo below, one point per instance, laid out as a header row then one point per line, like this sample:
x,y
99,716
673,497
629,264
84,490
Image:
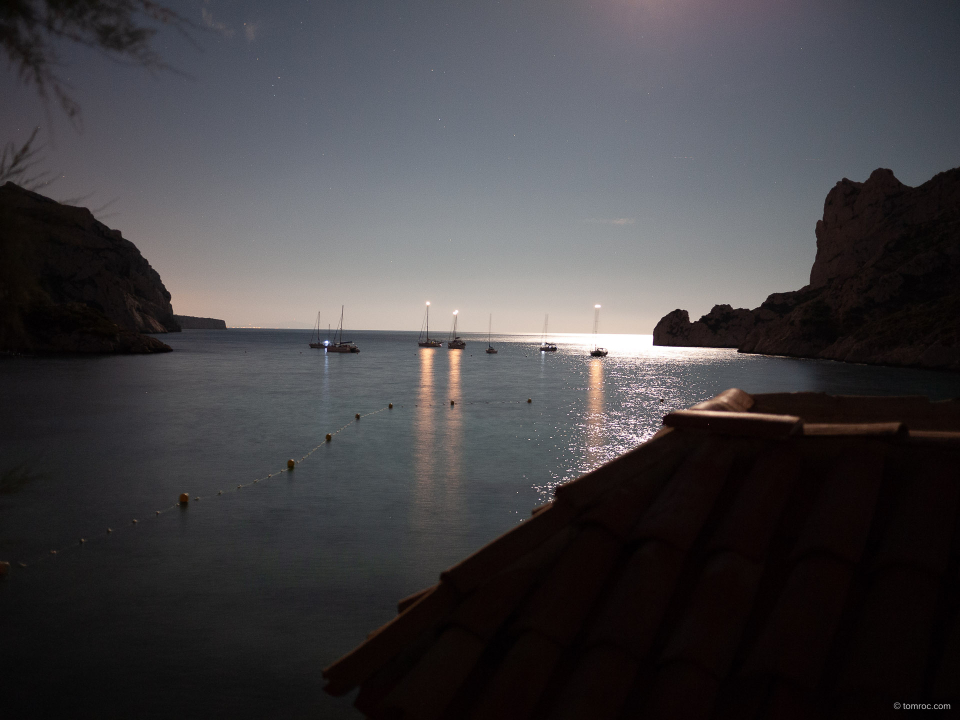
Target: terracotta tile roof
x,y
768,556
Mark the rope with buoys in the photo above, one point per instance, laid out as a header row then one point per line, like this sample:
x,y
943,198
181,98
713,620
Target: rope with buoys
x,y
184,498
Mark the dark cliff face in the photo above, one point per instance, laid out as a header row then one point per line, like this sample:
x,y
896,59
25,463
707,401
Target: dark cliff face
x,y
68,283
884,289
723,326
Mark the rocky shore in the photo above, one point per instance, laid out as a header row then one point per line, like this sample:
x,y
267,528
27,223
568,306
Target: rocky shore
x,y
68,283
884,288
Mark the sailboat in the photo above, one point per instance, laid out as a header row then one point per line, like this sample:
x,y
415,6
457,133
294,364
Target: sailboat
x,y
455,342
544,345
425,340
491,350
597,350
315,338
339,345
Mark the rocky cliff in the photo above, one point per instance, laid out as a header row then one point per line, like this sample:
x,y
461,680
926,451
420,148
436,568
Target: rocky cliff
x,y
189,322
884,288
68,283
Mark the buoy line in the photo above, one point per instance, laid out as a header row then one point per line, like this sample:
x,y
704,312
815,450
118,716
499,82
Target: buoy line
x,y
185,498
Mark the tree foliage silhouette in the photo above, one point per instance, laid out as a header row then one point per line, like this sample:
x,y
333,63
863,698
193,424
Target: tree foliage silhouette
x,y
29,31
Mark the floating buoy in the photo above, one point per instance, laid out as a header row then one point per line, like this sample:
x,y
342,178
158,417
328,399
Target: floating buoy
x,y
529,400
109,530
4,567
197,498
53,552
134,521
358,416
452,403
184,498
291,464
22,564
390,406
239,486
219,492
329,437
158,512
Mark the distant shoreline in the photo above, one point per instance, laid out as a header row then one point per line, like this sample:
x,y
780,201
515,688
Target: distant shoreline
x,y
189,322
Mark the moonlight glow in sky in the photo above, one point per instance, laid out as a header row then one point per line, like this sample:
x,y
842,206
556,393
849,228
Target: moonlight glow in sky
x,y
516,158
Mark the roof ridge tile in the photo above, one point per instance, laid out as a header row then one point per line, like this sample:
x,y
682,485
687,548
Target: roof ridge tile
x,y
748,424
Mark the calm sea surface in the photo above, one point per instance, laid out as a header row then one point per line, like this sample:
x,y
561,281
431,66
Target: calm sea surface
x,y
230,607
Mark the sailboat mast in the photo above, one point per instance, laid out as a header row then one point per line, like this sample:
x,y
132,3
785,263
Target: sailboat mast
x,y
596,321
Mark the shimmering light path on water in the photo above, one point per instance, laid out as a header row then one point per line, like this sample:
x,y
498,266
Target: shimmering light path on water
x,y
232,605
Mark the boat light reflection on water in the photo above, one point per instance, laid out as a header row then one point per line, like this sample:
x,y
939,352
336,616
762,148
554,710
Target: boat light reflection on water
x,y
438,453
595,437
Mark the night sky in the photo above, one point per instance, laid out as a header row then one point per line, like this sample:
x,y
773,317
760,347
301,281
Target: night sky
x,y
515,158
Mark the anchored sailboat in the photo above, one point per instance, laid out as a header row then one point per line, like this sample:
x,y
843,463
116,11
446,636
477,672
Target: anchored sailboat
x,y
315,338
455,342
339,345
597,350
490,348
425,340
544,345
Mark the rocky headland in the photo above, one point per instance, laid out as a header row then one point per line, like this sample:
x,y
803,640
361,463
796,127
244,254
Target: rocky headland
x,y
189,322
884,288
68,283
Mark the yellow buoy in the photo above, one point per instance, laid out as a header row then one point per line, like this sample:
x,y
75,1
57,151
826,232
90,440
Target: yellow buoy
x,y
390,405
329,437
290,464
184,498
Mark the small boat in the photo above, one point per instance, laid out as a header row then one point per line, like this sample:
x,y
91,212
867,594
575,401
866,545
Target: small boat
x,y
597,350
544,345
339,345
491,350
425,340
455,342
315,341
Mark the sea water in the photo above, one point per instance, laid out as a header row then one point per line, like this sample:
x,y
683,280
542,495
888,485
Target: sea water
x,y
231,605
